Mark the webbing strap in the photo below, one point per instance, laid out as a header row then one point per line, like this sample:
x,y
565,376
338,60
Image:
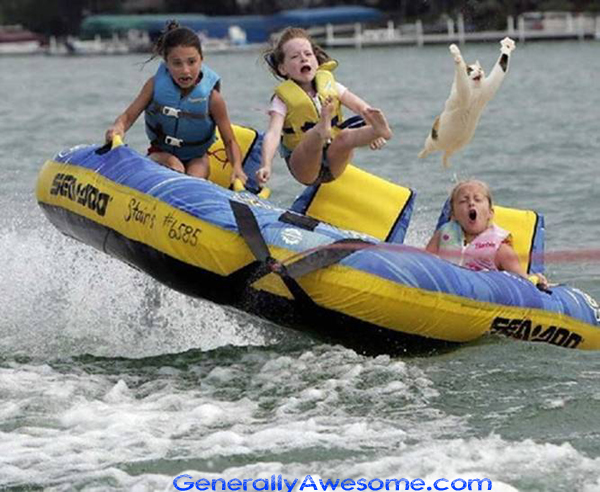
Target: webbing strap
x,y
250,231
248,227
355,121
175,113
164,138
321,258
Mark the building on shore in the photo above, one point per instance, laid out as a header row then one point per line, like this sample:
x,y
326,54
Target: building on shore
x,y
257,28
530,26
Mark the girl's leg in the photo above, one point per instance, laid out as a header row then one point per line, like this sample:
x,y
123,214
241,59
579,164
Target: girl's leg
x,y
340,150
199,167
305,161
168,160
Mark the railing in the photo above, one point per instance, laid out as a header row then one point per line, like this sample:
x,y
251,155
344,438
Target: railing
x,y
567,26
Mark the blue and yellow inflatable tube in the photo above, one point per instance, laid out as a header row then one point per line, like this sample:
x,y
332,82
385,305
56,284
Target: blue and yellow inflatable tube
x,y
345,285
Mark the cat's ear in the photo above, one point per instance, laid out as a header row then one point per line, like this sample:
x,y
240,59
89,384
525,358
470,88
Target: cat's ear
x,y
477,64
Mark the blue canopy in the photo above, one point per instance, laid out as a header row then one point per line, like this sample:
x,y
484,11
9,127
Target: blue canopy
x,y
258,28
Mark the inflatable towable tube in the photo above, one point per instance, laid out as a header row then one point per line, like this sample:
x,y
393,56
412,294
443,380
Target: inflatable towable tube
x,y
353,282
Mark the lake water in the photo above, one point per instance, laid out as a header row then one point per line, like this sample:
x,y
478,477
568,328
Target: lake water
x,y
110,381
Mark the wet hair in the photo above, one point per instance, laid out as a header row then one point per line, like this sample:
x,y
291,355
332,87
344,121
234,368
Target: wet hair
x,y
174,35
486,190
274,55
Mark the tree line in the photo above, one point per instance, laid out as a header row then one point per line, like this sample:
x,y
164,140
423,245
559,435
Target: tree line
x,y
64,16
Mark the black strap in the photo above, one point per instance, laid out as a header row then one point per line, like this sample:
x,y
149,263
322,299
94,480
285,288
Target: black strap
x,y
321,258
250,231
334,122
161,137
355,121
158,109
302,221
309,124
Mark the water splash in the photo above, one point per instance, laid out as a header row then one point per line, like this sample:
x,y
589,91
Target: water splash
x,y
61,298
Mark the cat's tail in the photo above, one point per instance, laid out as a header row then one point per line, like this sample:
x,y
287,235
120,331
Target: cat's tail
x,y
446,160
429,145
427,148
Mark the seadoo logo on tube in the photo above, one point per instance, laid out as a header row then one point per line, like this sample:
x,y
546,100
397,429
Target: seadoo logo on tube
x,y
66,185
526,329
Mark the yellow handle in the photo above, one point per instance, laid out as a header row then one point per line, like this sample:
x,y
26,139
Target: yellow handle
x,y
239,186
117,141
264,193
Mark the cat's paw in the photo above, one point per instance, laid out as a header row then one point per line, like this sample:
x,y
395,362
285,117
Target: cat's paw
x,y
456,53
507,45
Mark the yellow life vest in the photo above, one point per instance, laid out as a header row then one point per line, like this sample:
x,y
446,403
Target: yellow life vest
x,y
302,113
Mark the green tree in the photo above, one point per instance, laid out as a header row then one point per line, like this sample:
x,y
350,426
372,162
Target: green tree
x,y
53,16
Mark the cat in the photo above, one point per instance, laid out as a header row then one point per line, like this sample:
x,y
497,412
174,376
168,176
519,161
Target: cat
x,y
471,91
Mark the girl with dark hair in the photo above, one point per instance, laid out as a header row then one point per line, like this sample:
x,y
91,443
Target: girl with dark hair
x,y
182,108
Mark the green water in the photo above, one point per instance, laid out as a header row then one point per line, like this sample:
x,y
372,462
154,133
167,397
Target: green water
x,y
109,381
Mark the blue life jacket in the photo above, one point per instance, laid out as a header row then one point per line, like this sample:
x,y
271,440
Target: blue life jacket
x,y
180,125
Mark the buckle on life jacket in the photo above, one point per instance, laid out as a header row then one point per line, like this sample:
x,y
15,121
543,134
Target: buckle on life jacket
x,y
168,111
175,142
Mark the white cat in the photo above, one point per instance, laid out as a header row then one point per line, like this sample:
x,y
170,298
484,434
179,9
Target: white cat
x,y
471,91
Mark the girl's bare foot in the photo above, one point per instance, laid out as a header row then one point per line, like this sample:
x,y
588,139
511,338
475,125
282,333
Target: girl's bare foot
x,y
378,143
376,119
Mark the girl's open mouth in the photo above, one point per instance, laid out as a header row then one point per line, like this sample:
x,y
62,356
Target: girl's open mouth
x,y
473,214
305,69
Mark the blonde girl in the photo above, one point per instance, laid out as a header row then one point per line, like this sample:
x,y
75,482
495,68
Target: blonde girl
x,y
471,239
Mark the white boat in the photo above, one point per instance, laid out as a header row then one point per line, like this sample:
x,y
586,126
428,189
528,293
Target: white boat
x,y
97,46
14,40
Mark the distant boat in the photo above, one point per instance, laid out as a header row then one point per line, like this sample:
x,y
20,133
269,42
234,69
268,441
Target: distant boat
x,y
14,40
235,40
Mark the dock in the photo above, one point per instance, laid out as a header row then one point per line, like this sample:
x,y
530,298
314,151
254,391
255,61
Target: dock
x,y
554,26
